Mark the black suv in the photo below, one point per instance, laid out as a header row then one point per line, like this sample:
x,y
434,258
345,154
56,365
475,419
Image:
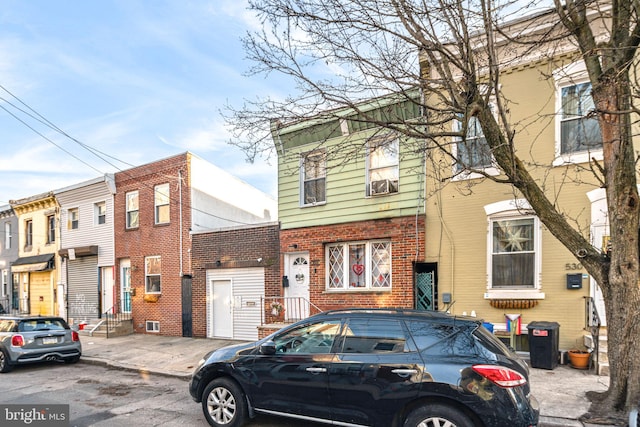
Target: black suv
x,y
370,367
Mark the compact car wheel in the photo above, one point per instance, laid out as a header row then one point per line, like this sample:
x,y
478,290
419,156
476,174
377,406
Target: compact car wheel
x,y
223,404
437,415
5,363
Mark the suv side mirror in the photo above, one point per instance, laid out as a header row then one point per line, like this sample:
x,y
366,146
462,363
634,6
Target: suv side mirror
x,y
268,348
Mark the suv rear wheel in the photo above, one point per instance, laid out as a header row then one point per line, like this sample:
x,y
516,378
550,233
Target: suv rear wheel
x,y
223,404
5,363
436,415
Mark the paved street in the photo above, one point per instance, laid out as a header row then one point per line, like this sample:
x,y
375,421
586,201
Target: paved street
x,y
103,397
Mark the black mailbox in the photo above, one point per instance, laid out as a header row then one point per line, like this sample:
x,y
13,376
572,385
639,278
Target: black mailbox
x,y
574,281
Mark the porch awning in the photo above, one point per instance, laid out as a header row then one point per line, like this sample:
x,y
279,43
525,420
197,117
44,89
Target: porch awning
x,y
79,251
33,263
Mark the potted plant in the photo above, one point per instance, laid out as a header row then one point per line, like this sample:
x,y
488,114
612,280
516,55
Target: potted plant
x,y
579,359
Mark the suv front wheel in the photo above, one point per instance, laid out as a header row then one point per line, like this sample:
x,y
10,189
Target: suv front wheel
x,y
435,415
223,404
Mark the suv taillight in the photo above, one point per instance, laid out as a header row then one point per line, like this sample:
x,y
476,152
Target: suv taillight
x,y
500,375
17,340
75,336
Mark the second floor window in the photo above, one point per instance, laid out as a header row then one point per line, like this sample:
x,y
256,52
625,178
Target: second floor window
x,y
28,233
579,129
314,174
382,165
161,202
473,152
7,235
51,229
100,213
74,219
153,268
359,265
132,207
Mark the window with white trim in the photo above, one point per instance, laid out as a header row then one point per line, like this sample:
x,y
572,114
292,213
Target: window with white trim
x,y
73,219
7,235
513,252
313,178
578,136
153,276
132,208
358,265
51,229
382,165
472,152
152,326
28,234
161,202
100,213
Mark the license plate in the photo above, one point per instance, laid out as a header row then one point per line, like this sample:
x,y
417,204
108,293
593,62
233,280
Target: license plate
x,y
52,340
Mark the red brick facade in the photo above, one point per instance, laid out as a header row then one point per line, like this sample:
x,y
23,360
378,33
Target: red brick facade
x,y
234,248
150,239
407,236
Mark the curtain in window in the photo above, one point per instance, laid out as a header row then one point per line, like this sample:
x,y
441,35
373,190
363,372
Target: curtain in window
x,y
578,132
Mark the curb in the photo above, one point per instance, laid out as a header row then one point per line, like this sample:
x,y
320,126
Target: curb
x,y
124,367
558,422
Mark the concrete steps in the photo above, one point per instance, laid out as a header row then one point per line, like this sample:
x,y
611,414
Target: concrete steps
x,y
601,363
98,327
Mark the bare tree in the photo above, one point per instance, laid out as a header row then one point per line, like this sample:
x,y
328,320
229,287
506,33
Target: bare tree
x,y
446,57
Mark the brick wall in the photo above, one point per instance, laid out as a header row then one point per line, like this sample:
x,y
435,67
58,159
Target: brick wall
x,y
234,248
407,236
150,239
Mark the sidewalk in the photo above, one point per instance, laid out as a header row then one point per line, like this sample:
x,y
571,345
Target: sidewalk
x,y
561,391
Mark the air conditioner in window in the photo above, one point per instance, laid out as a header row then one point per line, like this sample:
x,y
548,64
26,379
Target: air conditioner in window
x,y
383,186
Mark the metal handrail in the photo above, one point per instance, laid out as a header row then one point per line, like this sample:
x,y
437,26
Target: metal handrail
x,y
113,317
286,309
592,324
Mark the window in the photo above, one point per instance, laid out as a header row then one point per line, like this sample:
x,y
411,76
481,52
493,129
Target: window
x,y
153,326
310,339
578,136
161,200
579,130
7,235
133,218
473,152
51,229
382,165
359,266
378,336
28,233
513,253
100,213
74,218
313,178
152,275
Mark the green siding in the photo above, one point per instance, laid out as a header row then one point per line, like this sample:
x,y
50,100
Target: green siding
x,y
346,198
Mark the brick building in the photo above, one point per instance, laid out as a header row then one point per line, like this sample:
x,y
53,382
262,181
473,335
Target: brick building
x,y
157,206
233,270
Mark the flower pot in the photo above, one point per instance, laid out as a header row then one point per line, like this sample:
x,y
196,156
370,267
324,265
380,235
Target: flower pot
x,y
579,359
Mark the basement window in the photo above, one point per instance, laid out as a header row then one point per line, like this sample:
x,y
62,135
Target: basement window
x,y
153,326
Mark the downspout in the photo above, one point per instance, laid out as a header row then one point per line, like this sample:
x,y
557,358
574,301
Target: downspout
x,y
180,219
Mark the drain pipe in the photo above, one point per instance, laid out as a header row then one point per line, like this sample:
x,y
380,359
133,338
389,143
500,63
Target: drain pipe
x,y
180,219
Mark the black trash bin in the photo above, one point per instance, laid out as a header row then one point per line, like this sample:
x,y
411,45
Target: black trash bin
x,y
543,344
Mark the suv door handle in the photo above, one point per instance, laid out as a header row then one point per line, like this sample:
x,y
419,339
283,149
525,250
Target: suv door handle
x,y
404,372
316,370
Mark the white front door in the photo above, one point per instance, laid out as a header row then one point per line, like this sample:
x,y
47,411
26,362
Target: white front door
x,y
222,309
600,237
107,289
125,285
297,293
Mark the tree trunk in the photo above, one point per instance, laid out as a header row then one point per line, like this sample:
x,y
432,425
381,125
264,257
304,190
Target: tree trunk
x,y
620,288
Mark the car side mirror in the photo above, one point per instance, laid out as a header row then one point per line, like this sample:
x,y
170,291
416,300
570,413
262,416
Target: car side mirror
x,y
268,348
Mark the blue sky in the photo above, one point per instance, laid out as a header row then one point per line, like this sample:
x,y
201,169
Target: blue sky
x,y
137,80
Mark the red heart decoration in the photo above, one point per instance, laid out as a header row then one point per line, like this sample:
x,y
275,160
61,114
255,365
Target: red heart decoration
x,y
358,268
